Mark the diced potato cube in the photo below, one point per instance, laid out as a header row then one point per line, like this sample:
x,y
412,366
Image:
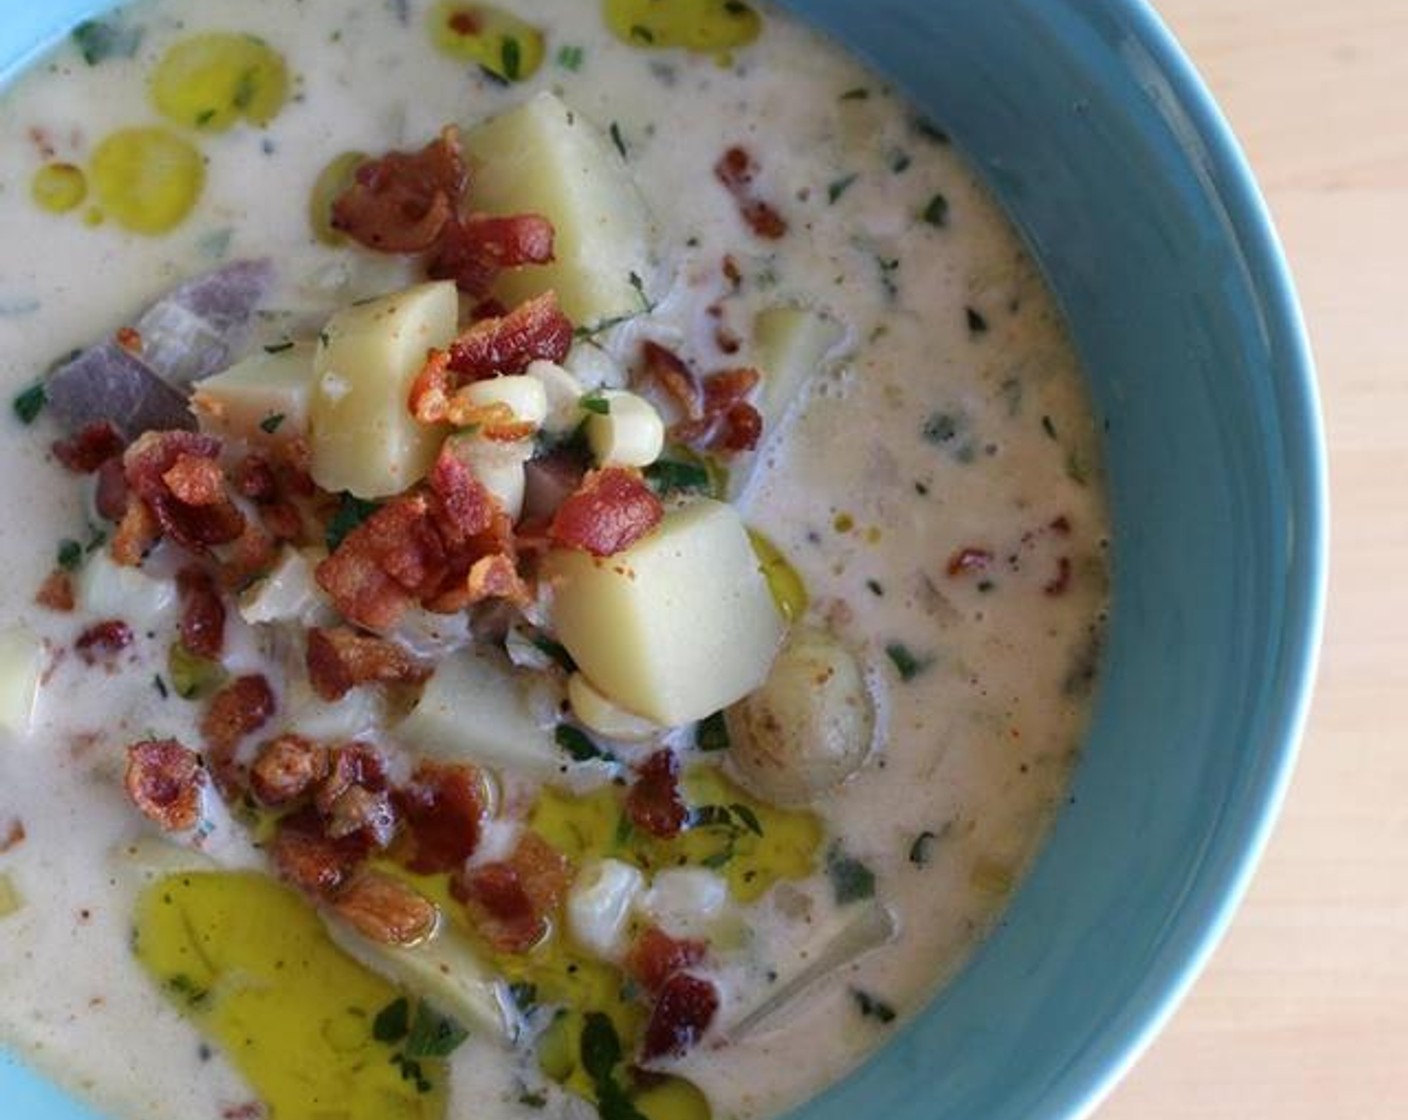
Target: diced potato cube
x,y
676,627
474,709
630,433
105,589
789,346
21,660
263,398
362,435
545,158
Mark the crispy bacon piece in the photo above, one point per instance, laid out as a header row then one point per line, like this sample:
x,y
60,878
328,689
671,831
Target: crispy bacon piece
x,y
103,641
443,809
609,512
56,592
130,339
363,812
473,251
353,765
239,709
668,370
510,900
655,956
653,803
164,781
741,429
202,613
90,447
13,836
1060,583
110,490
307,858
402,202
339,659
726,422
136,533
535,329
385,910
495,577
196,480
194,526
683,1011
286,769
736,170
967,560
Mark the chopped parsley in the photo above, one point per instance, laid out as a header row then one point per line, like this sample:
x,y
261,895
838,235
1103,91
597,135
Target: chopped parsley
x,y
851,880
279,347
351,512
600,1053
29,403
977,324
270,424
670,476
873,1008
578,744
1049,427
642,34
712,733
70,554
100,39
595,402
617,138
906,663
433,1034
936,212
423,1034
392,1022
525,995
840,186
570,58
511,58
557,651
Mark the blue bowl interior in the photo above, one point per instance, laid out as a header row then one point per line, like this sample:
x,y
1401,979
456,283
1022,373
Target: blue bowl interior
x,y
1095,134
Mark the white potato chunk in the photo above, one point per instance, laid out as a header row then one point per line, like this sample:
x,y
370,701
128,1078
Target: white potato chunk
x,y
21,661
443,969
630,433
105,589
677,626
499,466
263,398
289,592
790,345
525,395
562,393
545,158
599,906
362,435
810,725
475,709
685,901
599,714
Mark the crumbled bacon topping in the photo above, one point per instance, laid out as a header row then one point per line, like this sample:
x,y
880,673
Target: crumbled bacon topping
x,y
365,812
311,861
339,659
736,170
355,765
237,710
202,613
534,330
474,251
714,413
136,533
56,592
402,202
157,459
683,1010
655,956
195,480
385,909
90,447
103,641
668,370
164,781
287,769
110,490
443,809
654,803
609,512
510,900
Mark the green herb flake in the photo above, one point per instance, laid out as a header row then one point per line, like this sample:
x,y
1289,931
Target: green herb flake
x,y
530,1099
595,402
642,34
571,57
392,1022
851,880
433,1034
204,117
875,587
639,285
279,347
906,663
511,58
873,1008
670,476
748,817
618,139
70,554
936,212
271,423
840,186
977,324
578,744
712,733
29,403
600,1047
160,686
860,93
557,651
100,39
525,995
351,512
1049,427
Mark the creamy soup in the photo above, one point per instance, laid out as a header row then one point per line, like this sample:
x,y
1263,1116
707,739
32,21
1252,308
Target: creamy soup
x,y
681,793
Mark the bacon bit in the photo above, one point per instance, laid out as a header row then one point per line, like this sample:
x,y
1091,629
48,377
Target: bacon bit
x,y
385,563
609,512
364,812
195,480
164,781
736,170
14,836
130,339
429,399
475,251
496,577
535,329
89,448
239,709
309,860
465,21
655,956
202,613
668,370
443,808
355,765
194,527
282,521
56,592
496,420
732,273
287,768
967,560
385,910
1060,583
339,659
110,490
727,422
401,202
509,901
467,509
742,429
136,533
251,555
103,641
685,1008
654,803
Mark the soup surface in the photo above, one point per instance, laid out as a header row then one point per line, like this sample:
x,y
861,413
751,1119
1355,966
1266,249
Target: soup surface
x,y
925,499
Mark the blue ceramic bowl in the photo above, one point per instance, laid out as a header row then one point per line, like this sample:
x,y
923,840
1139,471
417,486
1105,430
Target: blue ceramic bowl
x,y
1095,133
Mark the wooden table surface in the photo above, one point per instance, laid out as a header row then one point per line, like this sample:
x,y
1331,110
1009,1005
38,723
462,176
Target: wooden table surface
x,y
1303,1012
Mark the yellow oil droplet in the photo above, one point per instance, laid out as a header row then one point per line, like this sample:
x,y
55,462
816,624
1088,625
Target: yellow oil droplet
x,y
250,963
874,534
211,81
59,187
495,39
707,26
146,179
788,590
93,217
672,1099
335,178
844,523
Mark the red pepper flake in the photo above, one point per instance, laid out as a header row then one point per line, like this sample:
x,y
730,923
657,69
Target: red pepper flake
x,y
103,641
736,170
89,448
654,802
609,512
1060,583
130,339
655,956
969,560
682,1013
164,780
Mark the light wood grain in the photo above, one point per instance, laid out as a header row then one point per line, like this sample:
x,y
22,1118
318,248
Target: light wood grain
x,y
1303,1012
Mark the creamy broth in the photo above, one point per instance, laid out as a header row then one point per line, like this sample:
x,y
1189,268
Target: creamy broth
x,y
937,488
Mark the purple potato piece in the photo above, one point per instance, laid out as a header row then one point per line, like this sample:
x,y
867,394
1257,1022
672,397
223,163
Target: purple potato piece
x,y
199,327
105,382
